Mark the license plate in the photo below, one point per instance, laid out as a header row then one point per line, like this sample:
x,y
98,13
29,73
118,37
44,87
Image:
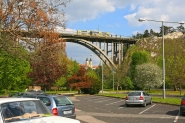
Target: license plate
x,y
68,112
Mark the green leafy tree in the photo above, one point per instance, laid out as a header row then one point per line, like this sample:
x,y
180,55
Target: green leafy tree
x,y
148,76
174,54
61,82
146,34
138,57
95,80
14,65
127,83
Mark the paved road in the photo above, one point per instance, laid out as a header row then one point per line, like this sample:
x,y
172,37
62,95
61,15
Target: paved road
x,y
98,109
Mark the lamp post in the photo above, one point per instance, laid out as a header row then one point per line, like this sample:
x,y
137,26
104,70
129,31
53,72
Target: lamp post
x,y
163,69
102,75
113,78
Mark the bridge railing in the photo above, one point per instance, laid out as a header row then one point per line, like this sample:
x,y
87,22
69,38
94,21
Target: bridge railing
x,y
111,35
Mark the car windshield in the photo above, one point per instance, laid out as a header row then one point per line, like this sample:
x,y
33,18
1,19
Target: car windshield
x,y
24,110
134,94
62,100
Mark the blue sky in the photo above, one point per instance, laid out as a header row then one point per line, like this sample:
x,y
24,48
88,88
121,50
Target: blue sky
x,y
117,17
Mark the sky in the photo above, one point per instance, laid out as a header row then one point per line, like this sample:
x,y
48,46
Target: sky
x,y
119,17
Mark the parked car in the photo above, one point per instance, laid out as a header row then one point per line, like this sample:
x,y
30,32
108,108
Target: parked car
x,y
20,94
59,105
138,98
24,110
182,106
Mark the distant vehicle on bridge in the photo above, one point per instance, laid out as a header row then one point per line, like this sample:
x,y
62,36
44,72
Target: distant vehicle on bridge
x,y
93,33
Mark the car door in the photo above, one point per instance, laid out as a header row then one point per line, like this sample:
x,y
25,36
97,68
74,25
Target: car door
x,y
146,97
46,101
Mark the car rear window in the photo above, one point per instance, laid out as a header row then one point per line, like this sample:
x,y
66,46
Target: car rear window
x,y
62,100
134,94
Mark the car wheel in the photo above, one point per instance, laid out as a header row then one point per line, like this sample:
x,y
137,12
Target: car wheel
x,y
181,112
150,102
127,105
144,104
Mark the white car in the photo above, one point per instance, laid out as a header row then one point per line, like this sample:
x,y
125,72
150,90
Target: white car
x,y
28,110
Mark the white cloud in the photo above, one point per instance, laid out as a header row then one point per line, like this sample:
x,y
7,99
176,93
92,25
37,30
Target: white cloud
x,y
164,10
83,10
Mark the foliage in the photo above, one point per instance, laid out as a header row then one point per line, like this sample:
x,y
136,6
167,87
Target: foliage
x,y
72,68
128,84
175,60
86,81
14,65
138,57
34,19
79,80
49,63
61,82
95,80
148,76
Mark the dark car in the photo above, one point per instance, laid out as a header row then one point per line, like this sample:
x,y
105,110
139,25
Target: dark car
x,y
59,105
30,92
138,98
182,106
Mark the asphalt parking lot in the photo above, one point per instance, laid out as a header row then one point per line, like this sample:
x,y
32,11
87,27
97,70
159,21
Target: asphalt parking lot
x,y
98,109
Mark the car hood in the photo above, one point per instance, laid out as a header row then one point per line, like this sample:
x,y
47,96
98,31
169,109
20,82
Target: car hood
x,y
50,119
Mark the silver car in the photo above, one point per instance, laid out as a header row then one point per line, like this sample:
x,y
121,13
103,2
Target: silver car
x,y
138,98
28,110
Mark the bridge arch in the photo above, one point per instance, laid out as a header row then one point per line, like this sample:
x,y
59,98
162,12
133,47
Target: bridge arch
x,y
99,52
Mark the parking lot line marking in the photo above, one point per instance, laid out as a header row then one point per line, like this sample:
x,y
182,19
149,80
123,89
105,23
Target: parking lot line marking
x,y
147,109
114,102
177,117
120,107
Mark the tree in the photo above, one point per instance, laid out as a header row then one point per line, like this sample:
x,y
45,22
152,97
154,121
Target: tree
x,y
146,34
14,65
79,80
148,76
174,53
138,57
49,63
181,29
167,29
37,19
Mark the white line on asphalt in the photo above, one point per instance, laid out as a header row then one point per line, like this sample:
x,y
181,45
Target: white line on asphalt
x,y
120,107
177,117
103,100
114,102
147,109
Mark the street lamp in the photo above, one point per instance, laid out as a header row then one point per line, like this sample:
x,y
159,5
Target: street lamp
x,y
163,69
113,78
102,74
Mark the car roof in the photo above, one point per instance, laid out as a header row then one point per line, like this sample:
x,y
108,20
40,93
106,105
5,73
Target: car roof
x,y
136,91
5,100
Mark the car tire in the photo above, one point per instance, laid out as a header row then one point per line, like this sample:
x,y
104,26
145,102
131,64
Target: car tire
x,y
181,112
127,105
144,104
150,102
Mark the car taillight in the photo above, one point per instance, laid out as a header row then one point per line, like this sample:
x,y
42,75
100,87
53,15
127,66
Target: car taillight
x,y
55,111
140,98
183,102
126,98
